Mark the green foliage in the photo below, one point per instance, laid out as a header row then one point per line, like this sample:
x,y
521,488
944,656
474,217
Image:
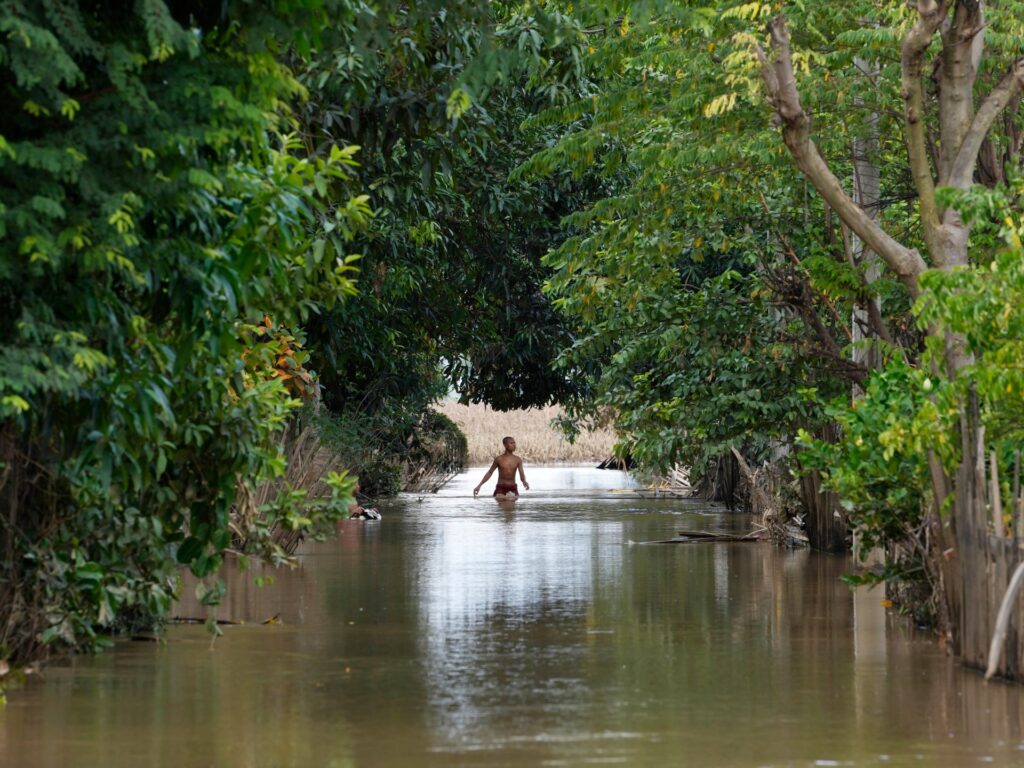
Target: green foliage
x,y
292,515
151,214
668,107
393,445
709,258
680,371
982,305
179,193
451,268
381,475
879,465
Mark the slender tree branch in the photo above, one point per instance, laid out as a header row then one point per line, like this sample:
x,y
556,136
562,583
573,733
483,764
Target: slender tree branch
x,y
1015,135
962,47
930,18
780,84
802,271
1009,88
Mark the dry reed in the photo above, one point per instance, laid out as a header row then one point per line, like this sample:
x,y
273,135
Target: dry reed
x,y
536,441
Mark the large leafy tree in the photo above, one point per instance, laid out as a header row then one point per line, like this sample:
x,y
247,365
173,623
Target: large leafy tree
x,y
963,130
710,230
162,242
927,97
451,268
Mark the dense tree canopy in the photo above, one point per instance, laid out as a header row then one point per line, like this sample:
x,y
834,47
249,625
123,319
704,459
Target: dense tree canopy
x,y
185,190
452,263
157,225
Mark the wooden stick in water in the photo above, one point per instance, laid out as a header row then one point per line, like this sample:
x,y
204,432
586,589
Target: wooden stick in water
x,y
995,650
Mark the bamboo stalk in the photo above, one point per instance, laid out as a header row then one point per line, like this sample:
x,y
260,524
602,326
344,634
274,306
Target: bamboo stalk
x,y
997,497
1015,499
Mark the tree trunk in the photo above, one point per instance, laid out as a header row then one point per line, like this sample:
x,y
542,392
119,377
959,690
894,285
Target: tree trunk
x,y
825,522
721,483
867,193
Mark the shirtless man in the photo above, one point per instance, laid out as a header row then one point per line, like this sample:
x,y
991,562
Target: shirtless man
x,y
506,464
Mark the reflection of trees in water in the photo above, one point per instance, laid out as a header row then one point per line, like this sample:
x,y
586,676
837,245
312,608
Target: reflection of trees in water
x,y
284,597
519,634
730,638
555,627
328,682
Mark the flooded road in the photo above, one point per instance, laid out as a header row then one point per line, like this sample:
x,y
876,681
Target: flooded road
x,y
458,632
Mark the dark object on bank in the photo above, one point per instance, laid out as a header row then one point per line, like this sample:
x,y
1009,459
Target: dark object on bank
x,y
614,462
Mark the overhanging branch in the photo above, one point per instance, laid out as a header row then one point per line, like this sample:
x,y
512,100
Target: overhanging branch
x,y
780,84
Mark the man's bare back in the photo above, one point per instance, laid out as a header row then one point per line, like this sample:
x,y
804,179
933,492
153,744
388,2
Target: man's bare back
x,y
507,464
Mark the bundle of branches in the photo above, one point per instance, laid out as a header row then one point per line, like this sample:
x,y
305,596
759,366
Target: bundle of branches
x,y
676,482
273,518
762,486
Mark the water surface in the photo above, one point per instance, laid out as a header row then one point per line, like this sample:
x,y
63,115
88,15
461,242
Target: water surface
x,y
461,632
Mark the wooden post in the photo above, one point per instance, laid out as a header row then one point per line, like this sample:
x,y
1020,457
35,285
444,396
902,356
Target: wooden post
x,y
999,527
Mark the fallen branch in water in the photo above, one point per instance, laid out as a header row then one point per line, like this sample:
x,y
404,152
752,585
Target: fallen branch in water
x,y
195,620
699,537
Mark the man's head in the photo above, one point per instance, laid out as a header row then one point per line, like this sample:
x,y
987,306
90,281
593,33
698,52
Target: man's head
x,y
509,443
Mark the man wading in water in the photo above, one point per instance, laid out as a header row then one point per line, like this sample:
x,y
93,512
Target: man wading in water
x,y
506,464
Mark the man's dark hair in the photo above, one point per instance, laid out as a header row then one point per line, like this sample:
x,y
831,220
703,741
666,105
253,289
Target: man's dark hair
x,y
504,440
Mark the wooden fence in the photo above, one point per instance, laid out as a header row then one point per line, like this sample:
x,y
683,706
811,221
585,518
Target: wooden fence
x,y
987,533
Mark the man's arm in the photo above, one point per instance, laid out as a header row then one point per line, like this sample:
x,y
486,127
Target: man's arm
x,y
494,466
522,475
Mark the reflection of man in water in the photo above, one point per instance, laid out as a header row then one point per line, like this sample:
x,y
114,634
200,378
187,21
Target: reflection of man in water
x,y
506,464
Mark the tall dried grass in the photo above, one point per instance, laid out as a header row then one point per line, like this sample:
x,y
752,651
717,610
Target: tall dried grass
x,y
536,441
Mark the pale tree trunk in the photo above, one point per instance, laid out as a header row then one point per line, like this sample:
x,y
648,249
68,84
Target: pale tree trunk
x,y
963,130
866,323
867,194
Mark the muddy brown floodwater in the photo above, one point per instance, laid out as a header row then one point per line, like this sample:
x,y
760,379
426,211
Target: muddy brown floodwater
x,y
458,632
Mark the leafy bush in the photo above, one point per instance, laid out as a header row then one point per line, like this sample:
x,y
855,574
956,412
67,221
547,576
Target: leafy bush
x,y
150,215
380,475
879,464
